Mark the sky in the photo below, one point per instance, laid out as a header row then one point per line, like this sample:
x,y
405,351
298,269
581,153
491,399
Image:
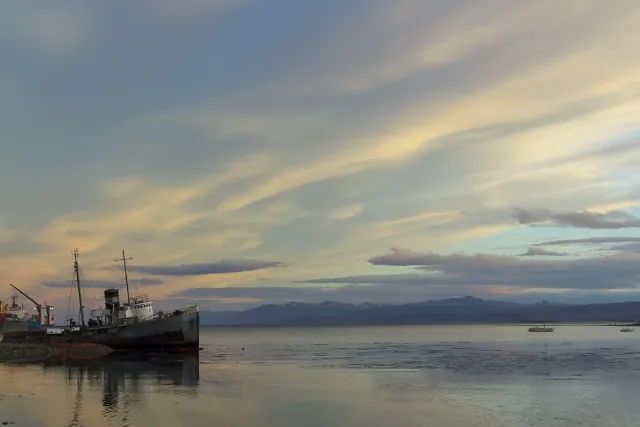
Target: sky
x,y
246,152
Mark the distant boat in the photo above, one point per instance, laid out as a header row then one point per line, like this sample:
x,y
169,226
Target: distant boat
x,y
626,330
541,329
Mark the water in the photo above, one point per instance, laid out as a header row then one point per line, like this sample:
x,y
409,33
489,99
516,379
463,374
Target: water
x,y
450,376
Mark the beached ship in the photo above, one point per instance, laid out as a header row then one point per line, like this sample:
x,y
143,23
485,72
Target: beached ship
x,y
131,325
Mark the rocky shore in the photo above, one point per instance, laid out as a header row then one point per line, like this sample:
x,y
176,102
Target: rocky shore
x,y
33,352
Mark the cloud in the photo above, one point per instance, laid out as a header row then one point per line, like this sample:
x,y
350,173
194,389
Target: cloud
x,y
542,252
19,244
222,267
405,257
413,223
626,247
346,212
628,244
132,212
487,270
218,138
581,219
258,293
589,241
383,137
394,44
621,154
104,284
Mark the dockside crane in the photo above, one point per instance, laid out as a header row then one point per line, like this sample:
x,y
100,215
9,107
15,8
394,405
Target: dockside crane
x,y
46,318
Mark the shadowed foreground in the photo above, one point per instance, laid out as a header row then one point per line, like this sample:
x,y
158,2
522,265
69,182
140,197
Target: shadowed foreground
x,y
22,353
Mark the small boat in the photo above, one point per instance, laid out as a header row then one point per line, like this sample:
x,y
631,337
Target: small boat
x,y
541,329
626,330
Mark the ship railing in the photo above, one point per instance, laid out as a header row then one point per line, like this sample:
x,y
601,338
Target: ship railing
x,y
177,312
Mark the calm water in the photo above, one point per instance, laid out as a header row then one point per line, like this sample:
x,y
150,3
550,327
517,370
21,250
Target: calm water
x,y
449,376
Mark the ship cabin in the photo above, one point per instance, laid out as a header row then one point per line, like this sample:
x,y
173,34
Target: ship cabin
x,y
46,317
13,311
138,309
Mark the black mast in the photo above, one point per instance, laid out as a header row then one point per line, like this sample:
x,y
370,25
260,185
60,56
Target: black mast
x,y
126,277
77,270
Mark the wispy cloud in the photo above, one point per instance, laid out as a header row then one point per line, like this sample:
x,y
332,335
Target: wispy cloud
x,y
368,126
346,212
103,284
487,270
542,252
582,219
589,241
221,267
627,247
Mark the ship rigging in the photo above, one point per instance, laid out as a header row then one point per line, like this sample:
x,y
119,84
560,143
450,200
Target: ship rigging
x,y
131,325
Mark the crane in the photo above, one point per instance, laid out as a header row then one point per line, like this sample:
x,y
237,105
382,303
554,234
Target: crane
x,y
27,297
38,306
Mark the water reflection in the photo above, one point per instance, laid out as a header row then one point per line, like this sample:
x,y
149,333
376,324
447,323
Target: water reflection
x,y
122,382
385,377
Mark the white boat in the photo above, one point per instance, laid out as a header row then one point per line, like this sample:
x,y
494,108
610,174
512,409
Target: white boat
x,y
541,329
626,330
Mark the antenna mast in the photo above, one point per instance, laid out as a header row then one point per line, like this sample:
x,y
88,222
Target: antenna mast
x,y
77,271
126,277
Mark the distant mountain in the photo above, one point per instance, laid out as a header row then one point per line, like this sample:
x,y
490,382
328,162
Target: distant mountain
x,y
447,311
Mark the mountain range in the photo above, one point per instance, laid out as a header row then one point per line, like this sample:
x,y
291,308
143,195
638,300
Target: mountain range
x,y
464,310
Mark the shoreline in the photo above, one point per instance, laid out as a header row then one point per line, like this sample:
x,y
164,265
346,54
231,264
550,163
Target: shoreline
x,y
524,324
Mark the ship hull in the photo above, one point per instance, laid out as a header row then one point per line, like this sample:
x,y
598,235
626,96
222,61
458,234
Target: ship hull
x,y
12,326
171,333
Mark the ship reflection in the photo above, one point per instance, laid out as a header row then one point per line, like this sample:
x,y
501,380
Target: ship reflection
x,y
123,381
